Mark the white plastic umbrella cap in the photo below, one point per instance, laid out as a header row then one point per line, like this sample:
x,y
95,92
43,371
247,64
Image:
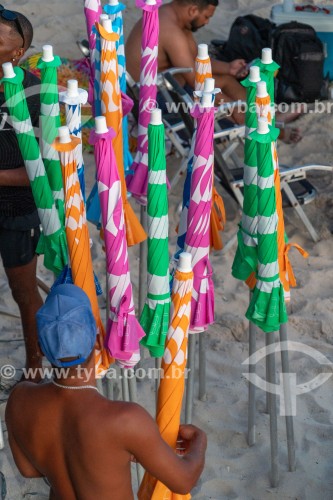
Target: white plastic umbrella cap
x,y
47,53
262,89
100,125
113,2
64,137
72,88
262,125
185,262
156,117
107,25
254,74
266,56
202,51
150,2
8,70
209,85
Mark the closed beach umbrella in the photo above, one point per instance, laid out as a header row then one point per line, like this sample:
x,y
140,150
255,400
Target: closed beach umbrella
x,y
53,239
115,11
267,306
197,240
123,329
73,98
245,261
155,314
50,122
112,110
92,11
171,388
137,182
78,239
268,69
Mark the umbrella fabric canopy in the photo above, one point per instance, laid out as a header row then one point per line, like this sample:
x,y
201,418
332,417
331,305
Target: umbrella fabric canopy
x,y
203,70
123,329
115,13
138,181
245,261
73,105
112,110
285,269
53,240
267,307
50,122
268,69
197,240
155,314
92,11
79,243
171,389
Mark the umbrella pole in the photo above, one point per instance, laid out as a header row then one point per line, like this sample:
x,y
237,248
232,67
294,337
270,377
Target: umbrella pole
x,y
287,400
202,366
124,384
99,384
158,363
143,269
190,379
251,429
271,378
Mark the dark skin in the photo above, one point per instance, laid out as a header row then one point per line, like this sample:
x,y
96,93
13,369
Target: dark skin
x,y
22,279
59,434
180,50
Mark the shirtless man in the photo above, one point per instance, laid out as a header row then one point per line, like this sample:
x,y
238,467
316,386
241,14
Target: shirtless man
x,y
177,46
81,442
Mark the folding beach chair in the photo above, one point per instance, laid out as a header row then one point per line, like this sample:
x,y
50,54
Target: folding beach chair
x,y
296,189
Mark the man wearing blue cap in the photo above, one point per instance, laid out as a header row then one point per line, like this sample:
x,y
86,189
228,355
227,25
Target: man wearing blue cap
x,y
81,442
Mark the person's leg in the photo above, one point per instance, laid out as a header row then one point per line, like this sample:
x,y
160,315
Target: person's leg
x,y
232,91
17,250
23,284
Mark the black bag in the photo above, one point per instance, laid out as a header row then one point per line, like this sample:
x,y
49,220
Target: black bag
x,y
299,52
248,36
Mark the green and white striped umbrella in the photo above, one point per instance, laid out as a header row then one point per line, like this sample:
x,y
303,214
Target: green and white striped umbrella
x,y
267,307
245,261
50,123
53,239
155,314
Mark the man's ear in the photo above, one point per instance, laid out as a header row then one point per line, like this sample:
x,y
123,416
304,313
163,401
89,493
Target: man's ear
x,y
19,53
193,11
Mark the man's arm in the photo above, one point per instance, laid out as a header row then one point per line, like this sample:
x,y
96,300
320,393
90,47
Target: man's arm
x,y
236,68
143,440
22,462
14,177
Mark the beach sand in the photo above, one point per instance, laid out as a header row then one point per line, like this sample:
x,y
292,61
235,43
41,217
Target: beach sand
x,y
233,470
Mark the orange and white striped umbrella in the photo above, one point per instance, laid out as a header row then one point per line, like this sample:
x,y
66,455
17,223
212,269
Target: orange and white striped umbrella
x,y
171,389
111,106
78,239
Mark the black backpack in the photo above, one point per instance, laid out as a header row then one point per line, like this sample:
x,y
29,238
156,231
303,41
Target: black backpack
x,y
299,52
248,36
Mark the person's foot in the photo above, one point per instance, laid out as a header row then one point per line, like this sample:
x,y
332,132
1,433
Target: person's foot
x,y
290,135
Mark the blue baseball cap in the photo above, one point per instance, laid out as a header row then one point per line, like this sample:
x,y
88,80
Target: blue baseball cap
x,y
66,326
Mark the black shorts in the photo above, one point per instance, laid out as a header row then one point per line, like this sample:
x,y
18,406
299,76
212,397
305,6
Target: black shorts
x,y
18,247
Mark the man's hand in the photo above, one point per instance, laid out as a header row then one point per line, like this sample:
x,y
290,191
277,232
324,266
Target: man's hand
x,y
238,68
191,439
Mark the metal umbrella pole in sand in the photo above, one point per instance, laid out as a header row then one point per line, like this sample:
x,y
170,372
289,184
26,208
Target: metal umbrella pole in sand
x,y
197,240
171,389
115,11
52,242
155,315
78,239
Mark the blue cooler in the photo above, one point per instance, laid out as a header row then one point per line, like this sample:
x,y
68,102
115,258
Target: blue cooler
x,y
320,21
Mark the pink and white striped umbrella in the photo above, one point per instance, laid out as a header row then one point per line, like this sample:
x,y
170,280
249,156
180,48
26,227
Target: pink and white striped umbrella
x,y
92,11
197,241
137,182
123,330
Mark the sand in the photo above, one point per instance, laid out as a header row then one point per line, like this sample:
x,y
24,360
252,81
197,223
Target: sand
x,y
233,469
